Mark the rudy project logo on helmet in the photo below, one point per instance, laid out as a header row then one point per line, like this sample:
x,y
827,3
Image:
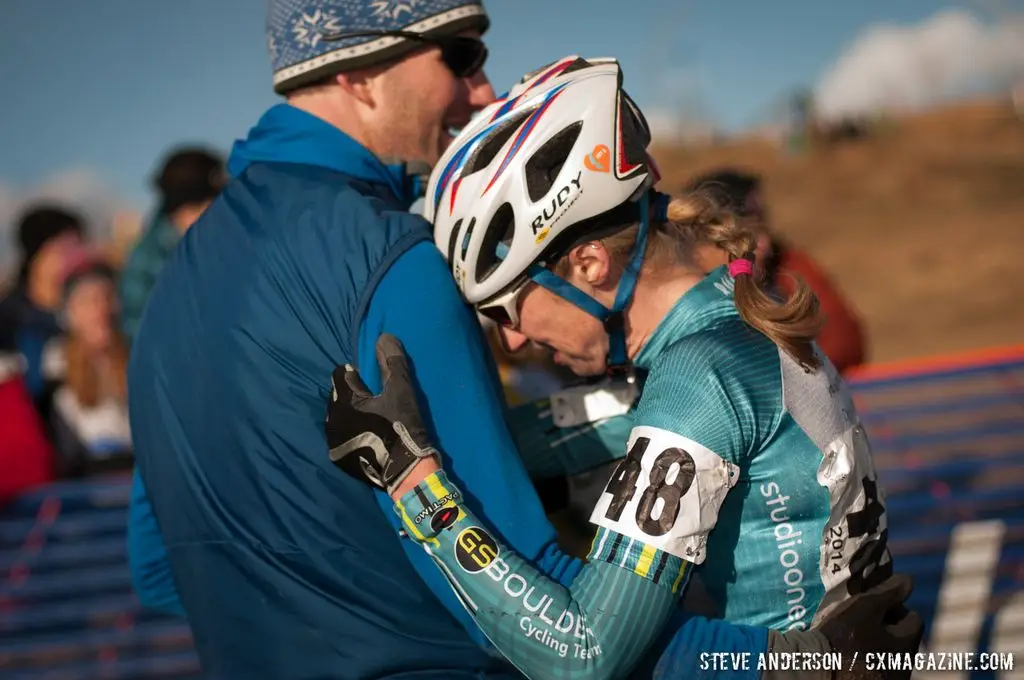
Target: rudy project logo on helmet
x,y
545,220
599,159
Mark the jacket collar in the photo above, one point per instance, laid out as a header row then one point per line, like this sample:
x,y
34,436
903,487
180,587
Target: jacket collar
x,y
286,134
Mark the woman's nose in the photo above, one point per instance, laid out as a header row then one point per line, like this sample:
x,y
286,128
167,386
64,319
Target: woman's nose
x,y
513,340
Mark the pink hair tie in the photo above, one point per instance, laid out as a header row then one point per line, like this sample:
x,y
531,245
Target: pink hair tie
x,y
740,266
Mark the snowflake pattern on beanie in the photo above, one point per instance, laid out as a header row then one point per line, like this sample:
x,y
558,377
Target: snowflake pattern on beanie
x,y
296,30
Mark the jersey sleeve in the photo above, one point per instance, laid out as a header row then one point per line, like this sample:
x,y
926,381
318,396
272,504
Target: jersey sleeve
x,y
417,301
692,430
596,627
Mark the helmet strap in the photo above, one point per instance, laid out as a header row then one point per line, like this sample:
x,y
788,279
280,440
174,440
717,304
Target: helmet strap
x,y
614,318
615,324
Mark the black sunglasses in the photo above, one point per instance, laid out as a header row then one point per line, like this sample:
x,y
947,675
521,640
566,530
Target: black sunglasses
x,y
463,55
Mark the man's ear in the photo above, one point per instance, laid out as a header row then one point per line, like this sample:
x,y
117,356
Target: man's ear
x,y
360,84
591,262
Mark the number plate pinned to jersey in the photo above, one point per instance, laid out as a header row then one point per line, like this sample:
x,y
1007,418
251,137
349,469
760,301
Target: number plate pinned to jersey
x,y
666,493
589,403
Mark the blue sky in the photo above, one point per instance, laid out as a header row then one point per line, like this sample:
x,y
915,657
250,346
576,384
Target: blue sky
x,y
103,87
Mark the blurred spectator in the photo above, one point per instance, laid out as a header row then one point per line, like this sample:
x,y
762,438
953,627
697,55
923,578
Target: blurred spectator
x,y
90,412
25,454
188,181
842,338
47,235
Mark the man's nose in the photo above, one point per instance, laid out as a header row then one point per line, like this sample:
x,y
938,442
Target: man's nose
x,y
513,340
481,92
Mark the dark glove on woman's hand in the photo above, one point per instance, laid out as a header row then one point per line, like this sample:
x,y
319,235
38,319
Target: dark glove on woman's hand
x,y
377,439
872,621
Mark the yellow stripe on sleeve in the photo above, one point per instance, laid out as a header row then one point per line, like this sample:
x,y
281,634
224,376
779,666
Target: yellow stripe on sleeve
x,y
411,526
644,561
683,568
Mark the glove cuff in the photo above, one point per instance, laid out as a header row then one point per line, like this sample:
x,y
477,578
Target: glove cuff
x,y
405,452
430,507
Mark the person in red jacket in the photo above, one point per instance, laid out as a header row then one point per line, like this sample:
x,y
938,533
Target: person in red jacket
x,y
842,338
26,457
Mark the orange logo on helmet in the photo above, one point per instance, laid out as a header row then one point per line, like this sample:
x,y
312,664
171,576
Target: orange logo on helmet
x,y
599,159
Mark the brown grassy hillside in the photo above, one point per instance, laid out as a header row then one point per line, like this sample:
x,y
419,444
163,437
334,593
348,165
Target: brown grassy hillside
x,y
921,224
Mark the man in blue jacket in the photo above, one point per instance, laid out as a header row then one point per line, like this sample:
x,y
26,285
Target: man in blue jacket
x,y
284,567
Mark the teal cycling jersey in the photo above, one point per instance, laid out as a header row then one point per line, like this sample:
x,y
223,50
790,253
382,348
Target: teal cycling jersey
x,y
748,465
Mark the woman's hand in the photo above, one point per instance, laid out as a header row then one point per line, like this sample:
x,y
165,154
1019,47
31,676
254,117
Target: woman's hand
x,y
380,439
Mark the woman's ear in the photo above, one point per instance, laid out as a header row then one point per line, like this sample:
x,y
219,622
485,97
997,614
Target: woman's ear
x,y
591,264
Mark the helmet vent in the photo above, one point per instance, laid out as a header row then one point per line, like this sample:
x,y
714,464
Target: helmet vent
x,y
467,238
635,136
501,230
543,167
578,65
487,151
453,240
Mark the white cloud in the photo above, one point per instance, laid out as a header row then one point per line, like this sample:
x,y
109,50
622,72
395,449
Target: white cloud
x,y
676,110
670,127
891,67
666,125
79,189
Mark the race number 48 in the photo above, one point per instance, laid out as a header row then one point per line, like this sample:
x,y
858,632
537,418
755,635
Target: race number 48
x,y
666,492
624,482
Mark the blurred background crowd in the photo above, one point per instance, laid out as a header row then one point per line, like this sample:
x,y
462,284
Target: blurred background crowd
x,y
66,324
895,188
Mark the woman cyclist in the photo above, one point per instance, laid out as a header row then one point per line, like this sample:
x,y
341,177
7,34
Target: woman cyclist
x,y
746,460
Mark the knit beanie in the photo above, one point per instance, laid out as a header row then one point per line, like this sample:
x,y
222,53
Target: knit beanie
x,y
295,29
37,226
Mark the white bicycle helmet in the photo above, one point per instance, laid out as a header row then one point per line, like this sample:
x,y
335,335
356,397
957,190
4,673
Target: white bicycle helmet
x,y
558,160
